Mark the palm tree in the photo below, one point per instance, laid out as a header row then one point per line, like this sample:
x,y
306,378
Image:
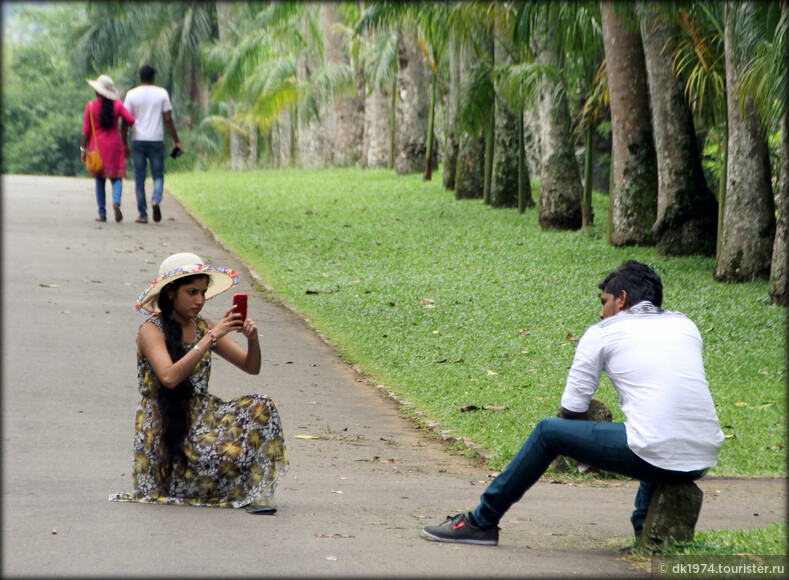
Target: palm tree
x,y
451,138
560,188
749,211
432,20
346,114
633,202
380,57
239,138
687,211
412,103
508,149
779,271
410,99
766,80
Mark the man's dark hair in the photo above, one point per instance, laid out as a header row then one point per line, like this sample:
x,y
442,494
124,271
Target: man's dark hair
x,y
147,73
638,280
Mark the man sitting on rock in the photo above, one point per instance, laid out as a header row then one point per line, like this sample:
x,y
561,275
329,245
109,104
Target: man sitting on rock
x,y
671,433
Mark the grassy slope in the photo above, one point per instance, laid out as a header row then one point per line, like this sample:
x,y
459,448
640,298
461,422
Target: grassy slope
x,y
453,303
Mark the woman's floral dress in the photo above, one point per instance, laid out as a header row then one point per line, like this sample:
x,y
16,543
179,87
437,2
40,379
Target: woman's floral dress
x,y
235,450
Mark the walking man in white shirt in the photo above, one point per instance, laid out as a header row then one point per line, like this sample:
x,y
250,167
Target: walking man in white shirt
x,y
153,111
653,358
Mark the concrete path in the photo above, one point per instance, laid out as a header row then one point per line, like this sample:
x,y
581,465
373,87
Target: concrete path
x,y
356,497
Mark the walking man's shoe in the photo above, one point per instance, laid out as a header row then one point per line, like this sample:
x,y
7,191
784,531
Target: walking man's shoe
x,y
141,220
460,530
117,209
157,213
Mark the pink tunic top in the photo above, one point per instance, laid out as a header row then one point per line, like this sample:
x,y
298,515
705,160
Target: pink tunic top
x,y
109,140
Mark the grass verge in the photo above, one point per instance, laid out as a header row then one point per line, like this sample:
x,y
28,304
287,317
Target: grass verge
x,y
452,303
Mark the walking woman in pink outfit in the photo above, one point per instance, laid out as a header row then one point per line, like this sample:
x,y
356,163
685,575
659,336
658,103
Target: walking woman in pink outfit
x,y
100,131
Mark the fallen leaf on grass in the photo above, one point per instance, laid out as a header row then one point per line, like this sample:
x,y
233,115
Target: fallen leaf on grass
x,y
491,372
468,408
322,291
572,338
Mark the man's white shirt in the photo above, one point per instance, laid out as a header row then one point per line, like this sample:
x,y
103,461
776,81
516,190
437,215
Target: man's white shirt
x,y
653,358
147,103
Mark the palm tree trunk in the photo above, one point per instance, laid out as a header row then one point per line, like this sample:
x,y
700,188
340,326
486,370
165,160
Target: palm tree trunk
x,y
633,205
508,151
410,138
779,270
490,131
314,146
393,125
687,211
587,215
430,124
560,188
749,211
239,151
451,140
377,116
345,141
525,198
470,165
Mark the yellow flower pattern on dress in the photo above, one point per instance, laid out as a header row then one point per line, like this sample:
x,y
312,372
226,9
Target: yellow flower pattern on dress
x,y
235,449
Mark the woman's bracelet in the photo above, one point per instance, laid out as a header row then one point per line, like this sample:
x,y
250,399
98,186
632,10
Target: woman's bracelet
x,y
213,339
198,349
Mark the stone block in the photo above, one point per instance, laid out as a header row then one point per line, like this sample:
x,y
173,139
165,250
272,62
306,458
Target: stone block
x,y
673,513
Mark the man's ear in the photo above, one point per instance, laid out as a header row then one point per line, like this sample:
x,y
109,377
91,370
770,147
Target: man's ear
x,y
622,301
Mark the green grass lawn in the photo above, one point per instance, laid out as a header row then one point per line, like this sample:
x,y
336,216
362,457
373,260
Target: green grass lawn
x,y
452,303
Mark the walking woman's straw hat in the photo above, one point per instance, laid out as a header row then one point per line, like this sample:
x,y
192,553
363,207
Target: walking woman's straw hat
x,y
105,86
179,266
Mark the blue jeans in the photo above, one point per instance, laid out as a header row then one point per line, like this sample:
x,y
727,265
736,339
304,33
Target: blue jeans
x,y
600,445
153,153
101,193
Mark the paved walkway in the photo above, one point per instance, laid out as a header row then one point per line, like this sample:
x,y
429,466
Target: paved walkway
x,y
355,498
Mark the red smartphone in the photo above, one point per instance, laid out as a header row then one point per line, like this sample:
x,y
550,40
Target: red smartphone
x,y
240,302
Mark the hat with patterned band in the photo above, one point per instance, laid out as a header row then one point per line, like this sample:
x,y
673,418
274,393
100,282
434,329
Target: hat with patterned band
x,y
180,266
105,86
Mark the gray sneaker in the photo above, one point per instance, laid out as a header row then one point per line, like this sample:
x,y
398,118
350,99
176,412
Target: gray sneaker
x,y
460,530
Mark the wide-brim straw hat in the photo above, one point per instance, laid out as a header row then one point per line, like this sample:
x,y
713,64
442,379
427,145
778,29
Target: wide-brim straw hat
x,y
105,86
179,266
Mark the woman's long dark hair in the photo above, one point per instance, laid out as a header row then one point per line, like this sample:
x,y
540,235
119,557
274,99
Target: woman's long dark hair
x,y
107,114
174,404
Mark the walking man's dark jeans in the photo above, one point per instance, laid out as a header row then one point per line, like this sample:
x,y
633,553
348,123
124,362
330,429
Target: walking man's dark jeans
x,y
153,153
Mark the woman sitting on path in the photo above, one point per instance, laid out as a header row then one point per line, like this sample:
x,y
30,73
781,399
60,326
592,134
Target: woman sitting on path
x,y
190,447
100,132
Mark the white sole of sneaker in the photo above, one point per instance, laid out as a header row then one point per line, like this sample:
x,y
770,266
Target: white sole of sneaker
x,y
433,538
